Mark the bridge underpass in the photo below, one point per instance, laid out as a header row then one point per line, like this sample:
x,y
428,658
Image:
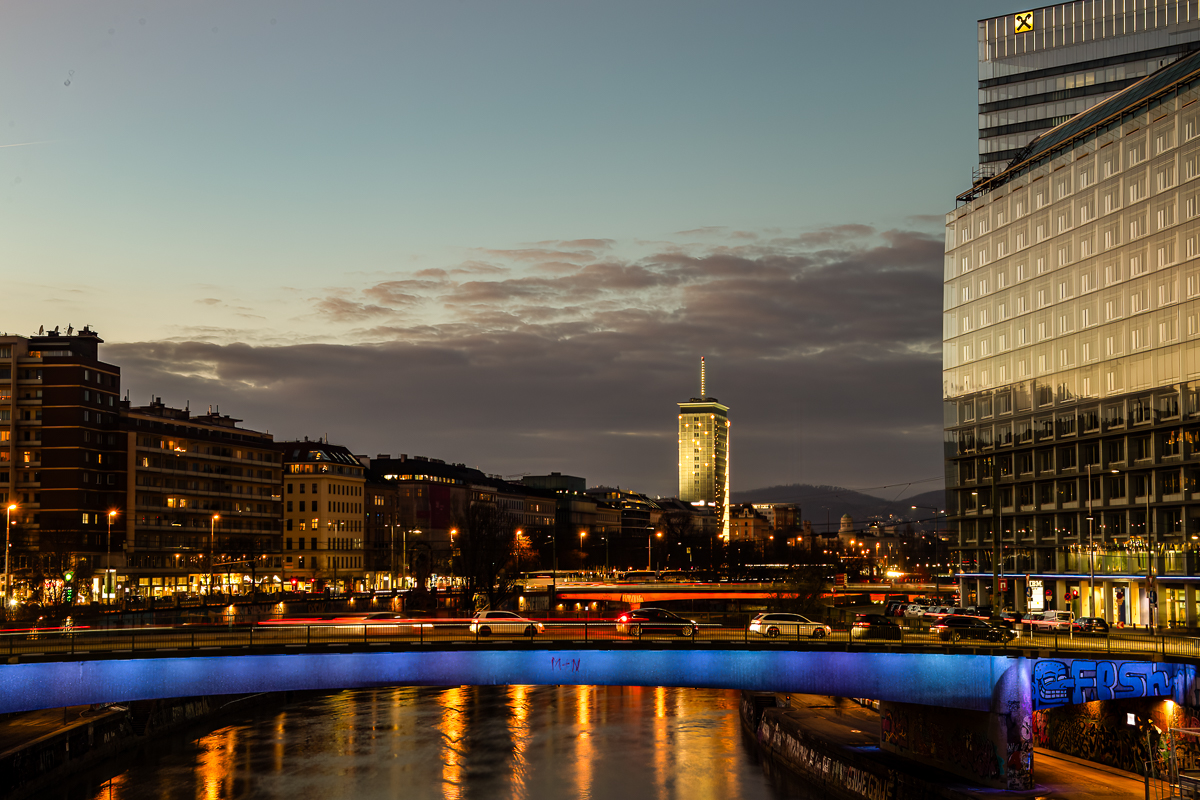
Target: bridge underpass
x,y
986,700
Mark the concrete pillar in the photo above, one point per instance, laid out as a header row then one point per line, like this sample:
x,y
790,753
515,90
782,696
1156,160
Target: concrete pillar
x,y
1060,589
1107,607
1189,598
1020,601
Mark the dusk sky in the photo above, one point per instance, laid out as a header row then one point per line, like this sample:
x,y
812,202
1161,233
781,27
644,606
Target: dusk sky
x,y
503,233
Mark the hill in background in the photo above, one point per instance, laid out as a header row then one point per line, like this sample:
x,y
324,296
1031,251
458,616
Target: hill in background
x,y
814,500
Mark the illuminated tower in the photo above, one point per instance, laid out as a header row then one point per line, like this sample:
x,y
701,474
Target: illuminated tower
x,y
704,452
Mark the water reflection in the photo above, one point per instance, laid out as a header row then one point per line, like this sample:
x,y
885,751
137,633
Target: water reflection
x,y
518,742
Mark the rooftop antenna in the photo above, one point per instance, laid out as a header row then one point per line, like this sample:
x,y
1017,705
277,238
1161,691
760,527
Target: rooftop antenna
x,y
702,394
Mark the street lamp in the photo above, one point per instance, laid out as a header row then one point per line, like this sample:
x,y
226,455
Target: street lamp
x,y
1091,549
582,554
109,585
392,559
7,530
212,551
649,551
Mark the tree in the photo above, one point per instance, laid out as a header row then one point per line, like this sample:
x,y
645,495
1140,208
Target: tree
x,y
802,590
486,546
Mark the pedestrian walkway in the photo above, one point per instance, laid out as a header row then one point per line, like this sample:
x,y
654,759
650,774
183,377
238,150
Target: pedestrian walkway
x,y
1058,777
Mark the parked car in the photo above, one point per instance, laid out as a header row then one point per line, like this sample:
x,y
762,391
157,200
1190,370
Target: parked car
x,y
915,611
1095,625
1014,618
956,627
874,626
655,620
485,623
788,625
1054,621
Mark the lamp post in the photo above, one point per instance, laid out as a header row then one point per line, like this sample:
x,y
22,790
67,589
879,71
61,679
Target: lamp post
x,y
1151,608
212,551
582,554
650,552
392,559
997,521
7,552
110,585
1091,549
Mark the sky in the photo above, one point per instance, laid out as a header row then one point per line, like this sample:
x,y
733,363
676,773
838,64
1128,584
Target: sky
x,y
503,234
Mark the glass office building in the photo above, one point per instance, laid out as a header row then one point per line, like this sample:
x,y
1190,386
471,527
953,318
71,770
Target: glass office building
x,y
1072,362
1039,68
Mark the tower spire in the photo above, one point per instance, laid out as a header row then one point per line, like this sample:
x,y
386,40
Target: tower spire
x,y
702,393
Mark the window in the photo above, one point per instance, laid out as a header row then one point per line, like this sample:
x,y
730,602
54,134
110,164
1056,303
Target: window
x,y
1166,254
1166,293
1166,216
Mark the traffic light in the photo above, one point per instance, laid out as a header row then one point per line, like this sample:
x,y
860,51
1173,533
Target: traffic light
x,y
68,589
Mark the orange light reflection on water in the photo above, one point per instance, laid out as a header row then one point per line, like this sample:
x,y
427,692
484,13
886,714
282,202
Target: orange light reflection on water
x,y
215,767
585,751
453,728
518,729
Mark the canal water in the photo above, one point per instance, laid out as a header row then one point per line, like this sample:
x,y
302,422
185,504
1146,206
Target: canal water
x,y
511,742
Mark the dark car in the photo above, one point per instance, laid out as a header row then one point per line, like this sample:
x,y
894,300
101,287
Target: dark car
x,y
1005,625
956,627
1015,619
654,620
1095,625
874,626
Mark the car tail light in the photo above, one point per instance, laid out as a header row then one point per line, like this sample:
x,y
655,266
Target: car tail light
x,y
622,618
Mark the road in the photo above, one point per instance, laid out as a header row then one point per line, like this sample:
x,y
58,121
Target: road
x,y
281,634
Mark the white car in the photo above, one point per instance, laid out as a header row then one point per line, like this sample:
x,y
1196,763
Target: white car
x,y
485,623
915,611
789,625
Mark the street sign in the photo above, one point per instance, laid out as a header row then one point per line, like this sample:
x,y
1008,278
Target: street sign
x,y
1004,584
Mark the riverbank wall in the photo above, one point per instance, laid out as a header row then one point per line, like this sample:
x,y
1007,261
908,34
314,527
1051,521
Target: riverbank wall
x,y
88,736
838,772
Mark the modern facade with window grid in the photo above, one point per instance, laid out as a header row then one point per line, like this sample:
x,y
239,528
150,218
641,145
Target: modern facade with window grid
x,y
1039,68
704,453
1072,361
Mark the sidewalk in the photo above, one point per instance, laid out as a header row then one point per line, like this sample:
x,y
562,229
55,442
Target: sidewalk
x,y
1058,776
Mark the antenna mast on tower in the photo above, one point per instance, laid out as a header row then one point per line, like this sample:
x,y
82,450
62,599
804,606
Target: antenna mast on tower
x,y
702,394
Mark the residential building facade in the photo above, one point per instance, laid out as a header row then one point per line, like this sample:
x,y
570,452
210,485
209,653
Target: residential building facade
x,y
204,500
324,518
61,460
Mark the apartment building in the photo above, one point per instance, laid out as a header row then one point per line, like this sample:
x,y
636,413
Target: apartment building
x,y
324,518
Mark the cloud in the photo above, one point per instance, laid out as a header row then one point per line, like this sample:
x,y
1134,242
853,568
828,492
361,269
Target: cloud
x,y
341,310
825,344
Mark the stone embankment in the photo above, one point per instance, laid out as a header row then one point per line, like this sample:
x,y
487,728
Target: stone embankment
x,y
42,748
843,760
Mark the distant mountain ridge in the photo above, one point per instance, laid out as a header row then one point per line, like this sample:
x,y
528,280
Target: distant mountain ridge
x,y
815,500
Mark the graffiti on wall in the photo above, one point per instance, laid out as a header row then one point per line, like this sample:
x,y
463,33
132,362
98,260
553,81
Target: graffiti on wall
x,y
1126,734
832,771
943,735
1058,682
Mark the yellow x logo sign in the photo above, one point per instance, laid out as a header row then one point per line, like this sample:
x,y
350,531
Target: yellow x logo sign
x,y
1023,23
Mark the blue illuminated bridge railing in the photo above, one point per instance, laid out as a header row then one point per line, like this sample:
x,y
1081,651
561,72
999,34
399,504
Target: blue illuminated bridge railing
x,y
58,668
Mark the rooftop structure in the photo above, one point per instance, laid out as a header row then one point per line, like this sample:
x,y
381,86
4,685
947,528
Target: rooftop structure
x,y
1039,68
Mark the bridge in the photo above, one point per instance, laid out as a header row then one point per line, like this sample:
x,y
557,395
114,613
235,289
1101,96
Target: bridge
x,y
987,690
